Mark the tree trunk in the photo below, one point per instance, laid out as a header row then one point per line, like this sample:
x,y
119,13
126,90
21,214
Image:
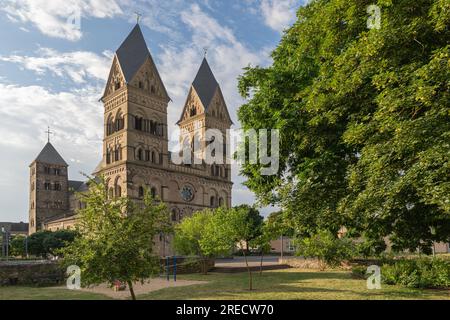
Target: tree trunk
x,y
250,279
205,266
130,286
261,266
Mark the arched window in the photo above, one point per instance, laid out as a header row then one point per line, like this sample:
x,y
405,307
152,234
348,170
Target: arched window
x,y
221,202
174,215
108,156
141,192
138,123
117,153
109,126
117,85
119,123
153,192
212,201
152,89
193,111
140,155
111,193
118,191
153,157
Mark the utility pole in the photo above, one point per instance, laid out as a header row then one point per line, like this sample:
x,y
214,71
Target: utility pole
x,y
26,246
282,248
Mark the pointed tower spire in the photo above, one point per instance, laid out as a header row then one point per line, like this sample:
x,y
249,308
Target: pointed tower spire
x,y
205,84
132,53
49,155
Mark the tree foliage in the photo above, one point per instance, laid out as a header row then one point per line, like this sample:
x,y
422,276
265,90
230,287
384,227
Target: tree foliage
x,y
364,121
116,238
195,236
44,243
327,248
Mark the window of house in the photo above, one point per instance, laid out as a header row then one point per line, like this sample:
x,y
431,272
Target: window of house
x,y
153,192
47,170
141,192
220,202
212,201
57,172
290,246
147,155
47,186
57,186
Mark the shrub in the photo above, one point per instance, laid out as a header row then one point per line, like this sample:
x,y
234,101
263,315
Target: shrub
x,y
329,250
359,272
418,273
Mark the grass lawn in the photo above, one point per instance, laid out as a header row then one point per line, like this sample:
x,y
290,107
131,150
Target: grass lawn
x,y
280,284
289,284
47,293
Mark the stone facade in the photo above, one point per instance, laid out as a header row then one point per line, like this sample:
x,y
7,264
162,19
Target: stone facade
x,y
135,153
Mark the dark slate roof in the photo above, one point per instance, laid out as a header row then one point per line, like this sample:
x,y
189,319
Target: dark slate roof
x,y
74,185
15,226
132,53
49,155
205,83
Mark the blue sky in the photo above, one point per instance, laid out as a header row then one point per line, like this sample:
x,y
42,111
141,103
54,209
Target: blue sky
x,y
52,73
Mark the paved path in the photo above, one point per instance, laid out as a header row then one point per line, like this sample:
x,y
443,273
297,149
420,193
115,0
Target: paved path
x,y
237,264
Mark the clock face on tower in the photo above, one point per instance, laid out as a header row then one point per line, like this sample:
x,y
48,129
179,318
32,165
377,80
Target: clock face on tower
x,y
187,193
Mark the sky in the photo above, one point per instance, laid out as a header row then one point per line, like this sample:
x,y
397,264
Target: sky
x,y
55,57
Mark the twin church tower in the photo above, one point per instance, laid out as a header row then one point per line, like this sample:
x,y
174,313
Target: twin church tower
x,y
135,145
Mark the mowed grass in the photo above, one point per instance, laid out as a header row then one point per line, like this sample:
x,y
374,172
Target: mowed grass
x,y
46,293
289,284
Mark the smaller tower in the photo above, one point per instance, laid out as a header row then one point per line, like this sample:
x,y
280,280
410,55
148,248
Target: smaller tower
x,y
48,188
205,108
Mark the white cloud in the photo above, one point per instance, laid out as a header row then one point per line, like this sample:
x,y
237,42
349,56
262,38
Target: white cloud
x,y
279,14
226,55
74,117
59,18
79,66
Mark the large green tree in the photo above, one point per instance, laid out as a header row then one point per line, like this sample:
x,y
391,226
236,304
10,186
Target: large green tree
x,y
364,121
116,238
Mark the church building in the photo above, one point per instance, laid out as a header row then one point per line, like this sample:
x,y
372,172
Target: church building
x,y
135,153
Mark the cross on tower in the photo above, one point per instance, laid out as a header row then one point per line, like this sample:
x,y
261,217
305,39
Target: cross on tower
x,y
48,132
138,16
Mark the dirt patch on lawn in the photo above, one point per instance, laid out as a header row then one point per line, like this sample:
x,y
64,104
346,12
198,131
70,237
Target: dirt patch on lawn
x,y
149,286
